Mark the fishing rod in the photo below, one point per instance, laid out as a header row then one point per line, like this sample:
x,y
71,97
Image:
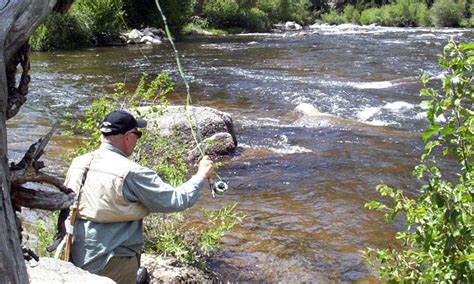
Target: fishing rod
x,y
220,186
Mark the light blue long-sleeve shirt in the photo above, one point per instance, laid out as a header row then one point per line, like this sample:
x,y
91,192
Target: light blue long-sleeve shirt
x,y
95,243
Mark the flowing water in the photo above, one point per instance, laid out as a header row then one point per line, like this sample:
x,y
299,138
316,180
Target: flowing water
x,y
302,182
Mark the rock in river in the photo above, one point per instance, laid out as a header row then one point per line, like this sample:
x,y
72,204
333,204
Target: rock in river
x,y
215,128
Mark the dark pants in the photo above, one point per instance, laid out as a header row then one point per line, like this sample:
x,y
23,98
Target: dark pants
x,y
121,269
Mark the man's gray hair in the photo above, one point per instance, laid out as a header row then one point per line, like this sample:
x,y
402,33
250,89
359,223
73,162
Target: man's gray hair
x,y
111,139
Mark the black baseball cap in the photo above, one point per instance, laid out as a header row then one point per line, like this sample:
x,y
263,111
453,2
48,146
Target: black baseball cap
x,y
119,122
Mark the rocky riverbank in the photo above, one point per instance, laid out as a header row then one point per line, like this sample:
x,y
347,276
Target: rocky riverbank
x,y
160,270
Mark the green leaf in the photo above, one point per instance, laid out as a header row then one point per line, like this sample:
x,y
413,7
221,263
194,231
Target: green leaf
x,y
426,104
430,132
466,46
464,258
424,79
373,205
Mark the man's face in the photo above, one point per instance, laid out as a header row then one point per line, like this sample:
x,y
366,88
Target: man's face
x,y
130,140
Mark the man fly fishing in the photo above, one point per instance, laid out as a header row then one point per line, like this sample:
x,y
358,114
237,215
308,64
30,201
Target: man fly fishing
x,y
114,194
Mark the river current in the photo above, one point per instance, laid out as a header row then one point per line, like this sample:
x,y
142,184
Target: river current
x,y
301,181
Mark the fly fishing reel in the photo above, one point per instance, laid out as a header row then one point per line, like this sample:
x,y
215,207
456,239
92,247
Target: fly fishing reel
x,y
219,187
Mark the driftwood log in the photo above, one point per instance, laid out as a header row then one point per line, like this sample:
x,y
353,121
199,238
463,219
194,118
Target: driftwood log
x,y
25,175
27,171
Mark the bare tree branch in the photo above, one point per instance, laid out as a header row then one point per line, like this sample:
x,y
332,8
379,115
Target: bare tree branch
x,y
23,178
41,199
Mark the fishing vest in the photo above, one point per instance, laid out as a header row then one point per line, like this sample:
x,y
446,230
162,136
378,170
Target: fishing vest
x,y
102,199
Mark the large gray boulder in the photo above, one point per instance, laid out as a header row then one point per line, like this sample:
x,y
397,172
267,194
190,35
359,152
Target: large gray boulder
x,y
212,127
160,269
55,271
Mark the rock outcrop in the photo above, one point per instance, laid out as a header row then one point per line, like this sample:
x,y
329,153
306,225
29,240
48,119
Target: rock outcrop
x,y
160,270
145,36
55,271
287,26
213,127
168,270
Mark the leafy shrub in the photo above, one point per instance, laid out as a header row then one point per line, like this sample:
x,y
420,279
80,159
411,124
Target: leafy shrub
x,y
177,14
351,14
372,16
270,7
423,18
199,25
333,18
447,13
222,13
60,32
438,243
294,10
45,231
255,20
104,18
470,22
403,13
189,243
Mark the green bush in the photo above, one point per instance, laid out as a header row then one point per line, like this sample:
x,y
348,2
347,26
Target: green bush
x,y
104,18
351,14
294,10
270,7
423,18
447,13
372,16
60,32
333,18
438,241
255,20
45,231
222,13
403,13
177,13
189,243
286,10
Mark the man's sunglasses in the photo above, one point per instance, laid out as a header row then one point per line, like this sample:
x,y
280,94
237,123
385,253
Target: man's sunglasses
x,y
137,133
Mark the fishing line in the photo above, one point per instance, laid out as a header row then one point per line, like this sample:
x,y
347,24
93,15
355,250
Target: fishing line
x,y
220,186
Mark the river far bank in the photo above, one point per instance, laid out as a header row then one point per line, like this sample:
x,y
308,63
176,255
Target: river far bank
x,y
74,31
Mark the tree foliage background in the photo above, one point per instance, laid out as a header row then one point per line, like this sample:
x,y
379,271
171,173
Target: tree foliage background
x,y
99,22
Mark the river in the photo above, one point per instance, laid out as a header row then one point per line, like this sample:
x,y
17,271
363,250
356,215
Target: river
x,y
302,184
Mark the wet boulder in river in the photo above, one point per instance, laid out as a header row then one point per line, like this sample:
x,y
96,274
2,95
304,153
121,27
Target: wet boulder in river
x,y
287,26
310,116
309,109
215,127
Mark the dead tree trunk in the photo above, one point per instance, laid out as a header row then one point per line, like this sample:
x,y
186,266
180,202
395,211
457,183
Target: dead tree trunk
x,y
18,20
